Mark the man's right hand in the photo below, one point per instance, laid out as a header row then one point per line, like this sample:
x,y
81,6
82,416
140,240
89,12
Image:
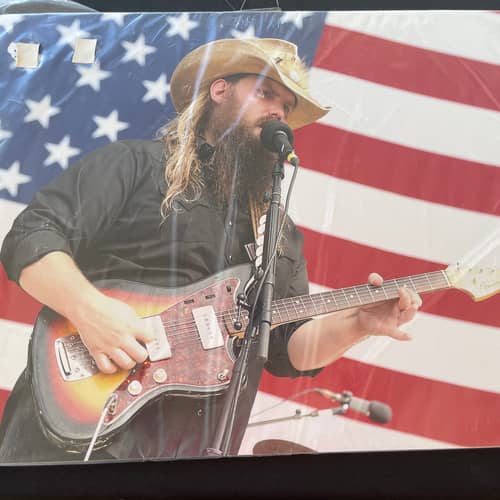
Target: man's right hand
x,y
112,332
110,328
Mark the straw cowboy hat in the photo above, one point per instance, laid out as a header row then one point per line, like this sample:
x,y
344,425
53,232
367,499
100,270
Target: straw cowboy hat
x,y
273,58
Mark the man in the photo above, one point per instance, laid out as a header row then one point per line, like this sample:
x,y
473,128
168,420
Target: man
x,y
168,213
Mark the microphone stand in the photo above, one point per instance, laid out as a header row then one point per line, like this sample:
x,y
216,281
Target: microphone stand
x,y
258,329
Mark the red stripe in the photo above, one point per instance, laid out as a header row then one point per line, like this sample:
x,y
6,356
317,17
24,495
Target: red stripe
x,y
16,305
421,406
4,395
336,263
403,170
409,68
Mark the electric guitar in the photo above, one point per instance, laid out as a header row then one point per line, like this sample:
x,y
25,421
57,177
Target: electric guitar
x,y
192,354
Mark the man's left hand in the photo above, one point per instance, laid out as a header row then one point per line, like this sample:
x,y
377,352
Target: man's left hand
x,y
385,318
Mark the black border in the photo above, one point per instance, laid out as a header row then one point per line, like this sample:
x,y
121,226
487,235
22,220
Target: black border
x,y
417,474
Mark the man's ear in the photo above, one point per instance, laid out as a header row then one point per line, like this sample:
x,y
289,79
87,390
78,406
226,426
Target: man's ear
x,y
219,90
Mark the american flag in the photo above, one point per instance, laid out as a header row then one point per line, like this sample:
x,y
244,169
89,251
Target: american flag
x,y
401,177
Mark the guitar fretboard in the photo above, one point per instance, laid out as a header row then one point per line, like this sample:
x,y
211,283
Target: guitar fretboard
x,y
306,306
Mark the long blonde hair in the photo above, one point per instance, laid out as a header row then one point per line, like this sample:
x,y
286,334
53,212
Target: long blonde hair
x,y
183,166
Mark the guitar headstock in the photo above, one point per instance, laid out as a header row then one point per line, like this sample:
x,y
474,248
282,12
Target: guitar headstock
x,y
478,282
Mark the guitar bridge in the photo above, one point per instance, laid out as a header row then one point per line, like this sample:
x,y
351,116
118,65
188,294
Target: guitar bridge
x,y
73,359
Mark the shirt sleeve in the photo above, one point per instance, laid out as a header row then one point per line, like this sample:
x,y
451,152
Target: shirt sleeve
x,y
279,363
72,210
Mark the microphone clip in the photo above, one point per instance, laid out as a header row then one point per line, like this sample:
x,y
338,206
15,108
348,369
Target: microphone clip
x,y
344,400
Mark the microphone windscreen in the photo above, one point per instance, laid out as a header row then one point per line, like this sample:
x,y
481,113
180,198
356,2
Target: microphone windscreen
x,y
380,412
268,133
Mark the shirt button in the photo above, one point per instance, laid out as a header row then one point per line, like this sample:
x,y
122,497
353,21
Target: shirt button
x,y
230,258
230,222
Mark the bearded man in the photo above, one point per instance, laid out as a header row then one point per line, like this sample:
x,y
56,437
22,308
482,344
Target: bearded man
x,y
169,213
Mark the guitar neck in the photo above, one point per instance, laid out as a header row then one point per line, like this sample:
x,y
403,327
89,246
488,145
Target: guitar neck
x,y
306,306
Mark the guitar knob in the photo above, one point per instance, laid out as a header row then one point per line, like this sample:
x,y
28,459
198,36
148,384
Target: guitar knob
x,y
134,388
159,375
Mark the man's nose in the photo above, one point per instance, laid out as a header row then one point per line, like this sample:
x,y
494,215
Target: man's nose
x,y
277,113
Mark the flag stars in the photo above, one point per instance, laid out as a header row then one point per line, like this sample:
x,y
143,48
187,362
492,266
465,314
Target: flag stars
x,y
181,25
137,51
296,18
7,22
41,111
69,34
92,76
109,126
11,178
243,35
60,153
157,89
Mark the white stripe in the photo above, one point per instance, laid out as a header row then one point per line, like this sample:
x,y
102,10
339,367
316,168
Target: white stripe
x,y
325,432
467,34
444,349
381,219
14,339
410,119
9,210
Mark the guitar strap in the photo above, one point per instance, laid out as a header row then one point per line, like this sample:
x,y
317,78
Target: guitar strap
x,y
256,212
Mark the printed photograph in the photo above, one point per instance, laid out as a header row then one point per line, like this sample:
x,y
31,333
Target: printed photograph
x,y
248,234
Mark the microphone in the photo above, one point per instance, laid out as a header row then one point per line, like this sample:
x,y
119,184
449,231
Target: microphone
x,y
374,410
278,138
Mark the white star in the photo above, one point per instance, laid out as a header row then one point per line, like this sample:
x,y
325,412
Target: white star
x,y
11,178
7,21
157,89
69,34
41,111
137,51
181,25
60,153
5,134
117,17
92,76
243,35
109,126
295,18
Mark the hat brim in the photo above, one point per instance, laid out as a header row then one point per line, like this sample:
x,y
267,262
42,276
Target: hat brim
x,y
223,58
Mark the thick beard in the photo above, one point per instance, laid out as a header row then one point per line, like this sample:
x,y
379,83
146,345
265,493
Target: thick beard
x,y
240,167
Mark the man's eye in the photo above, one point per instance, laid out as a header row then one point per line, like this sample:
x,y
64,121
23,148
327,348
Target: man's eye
x,y
264,93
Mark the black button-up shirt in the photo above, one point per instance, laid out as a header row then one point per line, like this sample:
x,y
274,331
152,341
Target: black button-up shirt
x,y
105,212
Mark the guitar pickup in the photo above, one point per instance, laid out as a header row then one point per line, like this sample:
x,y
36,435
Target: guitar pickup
x,y
159,348
208,327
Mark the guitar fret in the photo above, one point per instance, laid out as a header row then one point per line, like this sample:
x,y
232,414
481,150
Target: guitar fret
x,y
357,294
369,291
313,304
412,284
328,300
346,298
275,313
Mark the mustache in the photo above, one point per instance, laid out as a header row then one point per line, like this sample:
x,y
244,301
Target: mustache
x,y
239,124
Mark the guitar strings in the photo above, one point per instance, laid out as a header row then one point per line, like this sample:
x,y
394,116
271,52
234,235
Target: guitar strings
x,y
188,331
285,305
